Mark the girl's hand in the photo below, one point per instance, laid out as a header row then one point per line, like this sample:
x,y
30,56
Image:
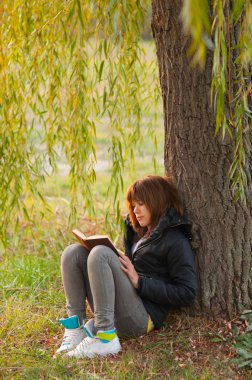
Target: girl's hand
x,y
128,268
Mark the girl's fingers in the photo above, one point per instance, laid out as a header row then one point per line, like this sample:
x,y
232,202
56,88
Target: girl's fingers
x,y
124,260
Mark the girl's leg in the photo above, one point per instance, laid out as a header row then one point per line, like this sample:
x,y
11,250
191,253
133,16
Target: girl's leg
x,y
75,280
116,303
77,290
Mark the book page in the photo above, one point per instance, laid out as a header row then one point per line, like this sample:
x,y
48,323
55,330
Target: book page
x,y
92,241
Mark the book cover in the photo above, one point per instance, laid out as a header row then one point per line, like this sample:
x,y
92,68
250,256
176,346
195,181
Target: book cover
x,y
90,242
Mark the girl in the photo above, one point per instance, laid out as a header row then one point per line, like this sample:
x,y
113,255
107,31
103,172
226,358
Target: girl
x,y
130,295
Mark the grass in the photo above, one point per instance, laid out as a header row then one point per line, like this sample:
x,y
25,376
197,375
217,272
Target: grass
x,y
32,300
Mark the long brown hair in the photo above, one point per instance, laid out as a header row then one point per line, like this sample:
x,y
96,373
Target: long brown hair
x,y
158,194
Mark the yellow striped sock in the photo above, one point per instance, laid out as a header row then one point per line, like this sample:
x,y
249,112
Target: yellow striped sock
x,y
106,336
150,325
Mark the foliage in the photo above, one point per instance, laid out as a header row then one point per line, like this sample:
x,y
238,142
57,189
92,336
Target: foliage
x,y
226,29
65,68
244,341
68,67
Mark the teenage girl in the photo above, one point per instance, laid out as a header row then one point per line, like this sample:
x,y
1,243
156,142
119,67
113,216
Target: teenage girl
x,y
130,295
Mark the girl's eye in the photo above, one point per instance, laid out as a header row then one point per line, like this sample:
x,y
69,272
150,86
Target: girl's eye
x,y
137,204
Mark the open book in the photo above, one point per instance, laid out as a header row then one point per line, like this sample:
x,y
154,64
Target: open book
x,y
91,241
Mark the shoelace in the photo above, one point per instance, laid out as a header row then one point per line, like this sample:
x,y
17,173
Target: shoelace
x,y
69,335
86,342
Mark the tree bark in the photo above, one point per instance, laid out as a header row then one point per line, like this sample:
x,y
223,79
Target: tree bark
x,y
200,164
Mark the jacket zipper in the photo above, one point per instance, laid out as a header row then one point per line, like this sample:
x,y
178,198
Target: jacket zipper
x,y
145,245
142,246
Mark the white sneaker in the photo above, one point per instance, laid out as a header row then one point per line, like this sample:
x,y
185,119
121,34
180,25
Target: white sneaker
x,y
74,334
104,343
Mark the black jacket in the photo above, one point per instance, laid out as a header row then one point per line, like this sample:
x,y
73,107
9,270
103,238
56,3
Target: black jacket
x,y
165,264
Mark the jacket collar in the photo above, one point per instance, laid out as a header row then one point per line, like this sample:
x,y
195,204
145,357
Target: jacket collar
x,y
171,218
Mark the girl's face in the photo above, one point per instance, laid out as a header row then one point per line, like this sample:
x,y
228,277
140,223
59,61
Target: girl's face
x,y
142,214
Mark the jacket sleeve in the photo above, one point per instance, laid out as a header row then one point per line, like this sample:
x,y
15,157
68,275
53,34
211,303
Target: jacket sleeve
x,y
180,288
128,237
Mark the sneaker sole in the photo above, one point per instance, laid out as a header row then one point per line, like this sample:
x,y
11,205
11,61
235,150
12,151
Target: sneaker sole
x,y
92,355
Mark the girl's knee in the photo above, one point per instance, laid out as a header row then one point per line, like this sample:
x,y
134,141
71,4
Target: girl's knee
x,y
71,253
98,253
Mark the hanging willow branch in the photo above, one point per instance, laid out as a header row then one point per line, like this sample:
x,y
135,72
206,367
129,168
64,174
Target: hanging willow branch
x,y
66,66
231,86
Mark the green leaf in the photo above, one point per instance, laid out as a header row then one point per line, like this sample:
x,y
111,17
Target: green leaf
x,y
216,340
245,354
100,71
80,13
245,363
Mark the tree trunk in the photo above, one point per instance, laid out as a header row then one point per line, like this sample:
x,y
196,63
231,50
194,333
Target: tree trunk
x,y
200,165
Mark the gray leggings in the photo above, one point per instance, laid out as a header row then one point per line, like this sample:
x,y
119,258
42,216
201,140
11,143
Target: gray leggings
x,y
98,278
